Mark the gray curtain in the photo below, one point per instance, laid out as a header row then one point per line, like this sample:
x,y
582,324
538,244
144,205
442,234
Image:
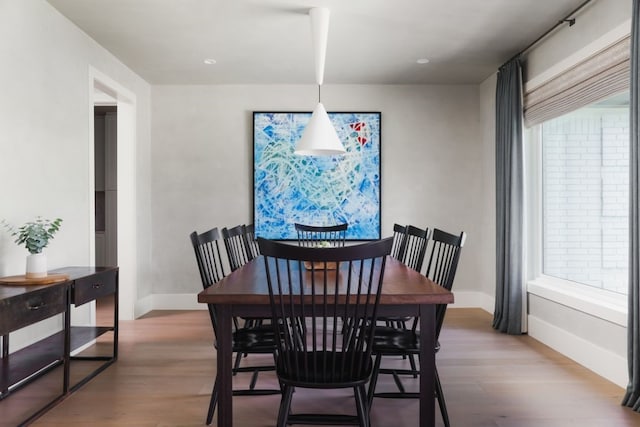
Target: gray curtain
x,y
632,396
509,199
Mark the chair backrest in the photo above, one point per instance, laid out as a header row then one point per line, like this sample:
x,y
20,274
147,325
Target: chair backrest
x,y
415,247
443,263
250,239
208,256
399,242
235,243
350,294
209,260
311,235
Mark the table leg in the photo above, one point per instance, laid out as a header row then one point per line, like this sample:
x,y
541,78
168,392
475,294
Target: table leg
x,y
225,356
67,344
4,369
427,365
116,316
4,344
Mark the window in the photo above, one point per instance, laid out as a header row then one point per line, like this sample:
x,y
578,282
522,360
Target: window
x,y
585,191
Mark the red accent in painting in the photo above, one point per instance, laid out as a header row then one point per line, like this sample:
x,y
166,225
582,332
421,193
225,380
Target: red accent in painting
x,y
358,127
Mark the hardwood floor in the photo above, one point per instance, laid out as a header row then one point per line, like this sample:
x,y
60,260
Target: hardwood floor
x,y
166,368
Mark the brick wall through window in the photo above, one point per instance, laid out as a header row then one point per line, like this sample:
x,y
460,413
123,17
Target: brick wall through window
x,y
585,195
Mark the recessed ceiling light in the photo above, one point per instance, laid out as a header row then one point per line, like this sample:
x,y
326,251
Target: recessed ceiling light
x,y
422,61
209,61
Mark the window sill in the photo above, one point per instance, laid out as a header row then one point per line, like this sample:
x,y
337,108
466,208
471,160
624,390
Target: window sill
x,y
606,305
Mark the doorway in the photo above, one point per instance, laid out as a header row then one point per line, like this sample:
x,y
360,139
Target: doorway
x,y
105,125
106,92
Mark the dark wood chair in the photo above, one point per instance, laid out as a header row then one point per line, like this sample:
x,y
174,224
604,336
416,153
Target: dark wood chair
x,y
238,254
311,235
314,353
235,243
391,341
411,250
409,247
250,239
259,339
399,241
415,247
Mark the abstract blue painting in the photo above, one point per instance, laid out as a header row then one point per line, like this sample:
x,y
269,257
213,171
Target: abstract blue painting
x,y
316,190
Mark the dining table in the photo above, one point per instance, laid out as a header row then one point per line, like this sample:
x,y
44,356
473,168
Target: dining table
x,y
405,292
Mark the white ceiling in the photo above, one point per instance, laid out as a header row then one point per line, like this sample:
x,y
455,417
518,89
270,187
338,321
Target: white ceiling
x,y
269,41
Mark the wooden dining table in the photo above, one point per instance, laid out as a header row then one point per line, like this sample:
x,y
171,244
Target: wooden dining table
x,y
405,292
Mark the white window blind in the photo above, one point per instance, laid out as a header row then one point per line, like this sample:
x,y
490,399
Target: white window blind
x,y
603,74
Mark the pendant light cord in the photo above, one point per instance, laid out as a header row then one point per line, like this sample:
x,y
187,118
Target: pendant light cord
x,y
319,94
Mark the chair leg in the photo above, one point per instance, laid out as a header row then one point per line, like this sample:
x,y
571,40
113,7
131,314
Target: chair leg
x,y
412,362
398,381
441,402
275,364
361,405
285,406
254,380
374,380
213,402
236,365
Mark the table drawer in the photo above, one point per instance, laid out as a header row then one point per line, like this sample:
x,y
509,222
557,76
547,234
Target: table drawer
x,y
26,309
89,288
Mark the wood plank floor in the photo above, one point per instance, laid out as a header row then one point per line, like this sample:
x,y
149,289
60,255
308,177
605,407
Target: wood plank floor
x,y
166,369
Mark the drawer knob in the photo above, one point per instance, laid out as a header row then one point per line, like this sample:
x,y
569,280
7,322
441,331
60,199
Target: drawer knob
x,y
36,306
97,285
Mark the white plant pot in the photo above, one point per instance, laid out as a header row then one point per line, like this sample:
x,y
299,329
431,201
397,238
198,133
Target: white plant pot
x,y
36,266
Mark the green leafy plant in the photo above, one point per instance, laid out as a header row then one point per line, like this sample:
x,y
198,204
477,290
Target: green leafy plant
x,y
35,235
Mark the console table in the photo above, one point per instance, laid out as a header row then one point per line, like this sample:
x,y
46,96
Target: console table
x,y
21,306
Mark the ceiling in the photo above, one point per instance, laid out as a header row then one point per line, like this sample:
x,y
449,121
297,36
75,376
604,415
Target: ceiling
x,y
269,41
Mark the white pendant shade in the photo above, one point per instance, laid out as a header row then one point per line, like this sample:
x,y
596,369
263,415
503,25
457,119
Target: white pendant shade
x,y
319,137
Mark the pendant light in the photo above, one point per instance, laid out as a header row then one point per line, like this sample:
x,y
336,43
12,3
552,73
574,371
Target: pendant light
x,y
319,137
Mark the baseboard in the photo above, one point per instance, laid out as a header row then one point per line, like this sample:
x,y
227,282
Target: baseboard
x,y
472,299
597,359
143,306
177,302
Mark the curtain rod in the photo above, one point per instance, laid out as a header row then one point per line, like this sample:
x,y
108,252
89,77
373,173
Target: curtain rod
x,y
567,18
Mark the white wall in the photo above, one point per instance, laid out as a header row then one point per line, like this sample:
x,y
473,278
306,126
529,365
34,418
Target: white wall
x,y
45,138
487,107
597,343
202,165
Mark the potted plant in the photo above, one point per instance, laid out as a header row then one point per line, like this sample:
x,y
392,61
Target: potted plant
x,y
35,236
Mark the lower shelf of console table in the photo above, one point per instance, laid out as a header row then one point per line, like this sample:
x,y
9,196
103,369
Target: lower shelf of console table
x,y
45,355
26,306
